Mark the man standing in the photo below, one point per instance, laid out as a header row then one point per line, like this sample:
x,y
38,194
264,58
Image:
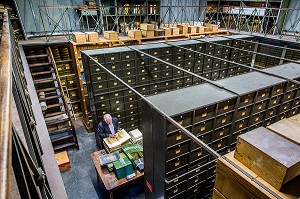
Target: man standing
x,y
108,127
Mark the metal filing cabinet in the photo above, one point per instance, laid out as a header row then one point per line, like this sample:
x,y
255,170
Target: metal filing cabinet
x,y
173,152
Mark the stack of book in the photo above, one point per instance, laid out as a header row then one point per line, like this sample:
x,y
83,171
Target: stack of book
x,y
136,136
114,144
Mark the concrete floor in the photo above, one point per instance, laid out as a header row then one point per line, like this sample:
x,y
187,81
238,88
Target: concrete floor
x,y
81,181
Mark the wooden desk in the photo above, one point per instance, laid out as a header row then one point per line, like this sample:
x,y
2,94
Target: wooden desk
x,y
109,179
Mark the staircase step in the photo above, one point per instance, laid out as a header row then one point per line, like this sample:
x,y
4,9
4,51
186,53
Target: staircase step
x,y
39,64
53,97
43,73
36,56
54,114
43,81
48,89
55,105
60,130
61,138
63,146
57,121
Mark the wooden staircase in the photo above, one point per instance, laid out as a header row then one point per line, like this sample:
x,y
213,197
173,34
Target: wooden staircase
x,y
51,95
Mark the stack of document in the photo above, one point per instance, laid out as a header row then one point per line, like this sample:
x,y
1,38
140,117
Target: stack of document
x,y
136,136
114,144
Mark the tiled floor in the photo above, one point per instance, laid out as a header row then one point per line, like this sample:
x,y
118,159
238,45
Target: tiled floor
x,y
81,180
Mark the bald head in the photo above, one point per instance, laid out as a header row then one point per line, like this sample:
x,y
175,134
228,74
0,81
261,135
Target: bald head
x,y
107,118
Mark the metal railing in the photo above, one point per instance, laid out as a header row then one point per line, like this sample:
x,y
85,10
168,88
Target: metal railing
x,y
5,107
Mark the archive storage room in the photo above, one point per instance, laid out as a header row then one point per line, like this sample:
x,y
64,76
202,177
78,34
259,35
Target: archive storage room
x,y
150,99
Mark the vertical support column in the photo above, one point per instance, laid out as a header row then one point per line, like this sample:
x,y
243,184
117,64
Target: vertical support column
x,y
283,55
254,55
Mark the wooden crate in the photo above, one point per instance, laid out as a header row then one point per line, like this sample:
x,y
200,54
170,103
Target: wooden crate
x,y
146,26
159,33
192,29
273,158
111,35
79,37
168,31
92,36
175,30
148,33
183,29
135,34
63,161
232,183
288,128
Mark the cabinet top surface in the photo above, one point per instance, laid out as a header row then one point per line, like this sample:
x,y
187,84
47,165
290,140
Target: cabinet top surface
x,y
249,82
289,70
190,98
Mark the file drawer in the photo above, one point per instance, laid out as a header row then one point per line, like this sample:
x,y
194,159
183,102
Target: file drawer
x,y
260,106
204,113
226,106
177,150
175,138
176,163
243,112
203,127
220,133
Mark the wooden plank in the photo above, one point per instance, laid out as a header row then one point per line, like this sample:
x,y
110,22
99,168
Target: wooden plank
x,y
269,155
109,178
232,183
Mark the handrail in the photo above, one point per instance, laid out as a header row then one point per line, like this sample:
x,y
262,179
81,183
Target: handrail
x,y
5,110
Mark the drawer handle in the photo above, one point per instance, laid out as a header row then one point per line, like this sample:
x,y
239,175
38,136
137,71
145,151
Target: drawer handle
x,y
178,137
243,113
278,90
202,128
112,58
113,67
256,119
142,63
155,61
199,153
219,145
155,53
263,95
221,133
260,107
175,191
275,101
226,107
97,69
241,125
177,164
115,83
196,180
285,108
177,151
197,170
289,96
167,51
223,120
195,190
176,180
271,113
246,101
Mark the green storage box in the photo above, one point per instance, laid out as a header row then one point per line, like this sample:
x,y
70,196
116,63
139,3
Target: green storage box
x,y
122,167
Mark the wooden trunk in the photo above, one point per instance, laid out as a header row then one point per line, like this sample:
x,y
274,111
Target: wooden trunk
x,y
168,31
269,155
183,29
135,34
146,26
92,36
111,35
288,128
79,37
148,33
232,183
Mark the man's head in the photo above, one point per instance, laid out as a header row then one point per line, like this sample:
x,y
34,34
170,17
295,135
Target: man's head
x,y
107,118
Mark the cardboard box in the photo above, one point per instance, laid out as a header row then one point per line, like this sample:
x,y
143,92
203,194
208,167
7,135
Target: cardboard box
x,y
148,33
175,30
158,33
183,29
135,34
79,37
200,29
146,26
206,29
111,35
92,36
168,31
63,161
192,29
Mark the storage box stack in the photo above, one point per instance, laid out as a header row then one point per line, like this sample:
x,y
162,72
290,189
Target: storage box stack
x,y
133,151
63,161
135,34
270,159
79,37
183,29
92,36
111,35
136,136
200,29
167,31
147,30
212,27
114,144
159,32
192,29
122,167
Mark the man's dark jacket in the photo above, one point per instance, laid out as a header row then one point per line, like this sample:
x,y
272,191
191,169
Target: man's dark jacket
x,y
104,131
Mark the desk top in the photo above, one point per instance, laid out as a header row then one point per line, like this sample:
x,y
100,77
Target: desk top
x,y
109,179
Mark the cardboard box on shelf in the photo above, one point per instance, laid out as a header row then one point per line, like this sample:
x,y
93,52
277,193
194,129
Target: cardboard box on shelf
x,y
168,31
146,26
192,29
175,30
92,36
79,37
183,29
135,34
111,35
148,33
159,33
